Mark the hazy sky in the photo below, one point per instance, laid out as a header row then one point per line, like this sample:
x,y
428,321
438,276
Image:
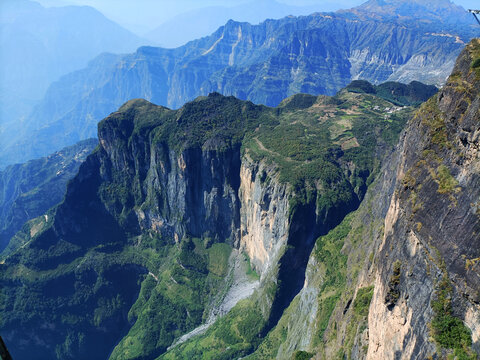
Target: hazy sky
x,y
143,15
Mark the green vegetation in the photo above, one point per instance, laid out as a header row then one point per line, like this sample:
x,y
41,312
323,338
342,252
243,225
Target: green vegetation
x,y
399,94
225,120
361,86
173,302
335,294
449,331
218,256
333,263
362,301
434,120
393,292
474,49
446,182
302,355
181,281
251,273
358,321
234,335
310,147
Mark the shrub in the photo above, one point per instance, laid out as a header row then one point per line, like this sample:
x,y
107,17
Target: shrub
x,y
362,301
302,355
449,331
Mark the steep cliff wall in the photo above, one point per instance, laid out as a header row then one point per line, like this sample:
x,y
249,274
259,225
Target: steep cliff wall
x,y
426,289
149,244
398,279
328,318
264,212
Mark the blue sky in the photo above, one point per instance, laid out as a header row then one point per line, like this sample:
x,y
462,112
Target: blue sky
x,y
143,15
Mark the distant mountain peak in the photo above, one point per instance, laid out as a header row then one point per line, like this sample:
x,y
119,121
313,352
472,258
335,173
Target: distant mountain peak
x,y
430,5
442,10
435,3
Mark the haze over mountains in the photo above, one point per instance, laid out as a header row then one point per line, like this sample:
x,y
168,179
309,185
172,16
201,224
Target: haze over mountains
x,y
265,63
41,44
202,22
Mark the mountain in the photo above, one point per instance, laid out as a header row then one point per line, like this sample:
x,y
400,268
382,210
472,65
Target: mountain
x,y
432,243
398,278
427,11
400,94
317,54
41,44
29,190
204,21
180,215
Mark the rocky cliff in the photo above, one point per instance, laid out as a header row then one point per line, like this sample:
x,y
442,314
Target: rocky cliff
x,y
428,295
398,278
180,214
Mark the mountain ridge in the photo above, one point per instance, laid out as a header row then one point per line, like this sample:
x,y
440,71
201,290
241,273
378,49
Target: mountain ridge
x,y
29,190
178,31
232,61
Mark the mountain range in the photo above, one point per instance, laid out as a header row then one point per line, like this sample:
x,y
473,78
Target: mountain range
x,y
241,217
224,229
204,21
41,44
264,63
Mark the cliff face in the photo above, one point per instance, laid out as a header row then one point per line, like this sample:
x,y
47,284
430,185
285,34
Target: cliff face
x,y
189,192
432,228
264,63
264,221
156,229
398,278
